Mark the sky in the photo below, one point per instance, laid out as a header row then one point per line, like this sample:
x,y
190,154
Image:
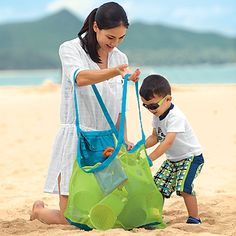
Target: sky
x,y
198,15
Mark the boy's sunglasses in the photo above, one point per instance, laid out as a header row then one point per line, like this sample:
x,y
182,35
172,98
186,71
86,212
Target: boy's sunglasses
x,y
154,106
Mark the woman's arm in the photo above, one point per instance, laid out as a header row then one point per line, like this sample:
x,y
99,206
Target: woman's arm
x,y
88,77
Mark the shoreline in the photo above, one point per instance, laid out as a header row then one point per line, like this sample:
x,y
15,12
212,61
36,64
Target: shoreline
x,y
134,66
173,85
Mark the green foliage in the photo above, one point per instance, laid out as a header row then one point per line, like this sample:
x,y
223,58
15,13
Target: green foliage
x,y
156,44
34,45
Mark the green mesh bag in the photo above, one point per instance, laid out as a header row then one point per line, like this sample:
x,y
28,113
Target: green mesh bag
x,y
134,202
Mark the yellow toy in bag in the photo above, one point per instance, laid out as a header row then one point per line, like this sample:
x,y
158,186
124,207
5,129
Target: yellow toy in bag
x,y
130,200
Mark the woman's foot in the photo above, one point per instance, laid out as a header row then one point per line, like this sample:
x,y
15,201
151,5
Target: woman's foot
x,y
36,207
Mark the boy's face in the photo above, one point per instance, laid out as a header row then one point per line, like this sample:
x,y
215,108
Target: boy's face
x,y
157,105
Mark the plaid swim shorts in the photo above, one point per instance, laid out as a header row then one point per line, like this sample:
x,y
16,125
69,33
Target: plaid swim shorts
x,y
178,176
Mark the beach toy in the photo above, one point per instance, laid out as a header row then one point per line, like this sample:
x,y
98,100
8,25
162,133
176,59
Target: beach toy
x,y
104,214
108,151
134,213
84,202
143,208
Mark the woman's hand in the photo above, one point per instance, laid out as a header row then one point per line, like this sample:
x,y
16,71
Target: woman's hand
x,y
135,76
123,70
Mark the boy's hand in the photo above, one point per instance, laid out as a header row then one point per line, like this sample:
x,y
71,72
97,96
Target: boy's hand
x,y
129,145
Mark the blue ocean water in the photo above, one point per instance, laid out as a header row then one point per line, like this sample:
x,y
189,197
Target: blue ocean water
x,y
197,74
29,77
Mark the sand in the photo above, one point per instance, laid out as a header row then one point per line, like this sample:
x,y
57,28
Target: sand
x,y
28,124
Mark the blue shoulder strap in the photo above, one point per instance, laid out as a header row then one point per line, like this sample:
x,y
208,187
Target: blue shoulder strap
x,y
139,112
104,109
101,103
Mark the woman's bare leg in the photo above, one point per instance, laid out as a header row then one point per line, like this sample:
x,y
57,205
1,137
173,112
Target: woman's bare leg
x,y
50,216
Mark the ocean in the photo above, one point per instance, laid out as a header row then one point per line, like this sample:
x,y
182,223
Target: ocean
x,y
194,74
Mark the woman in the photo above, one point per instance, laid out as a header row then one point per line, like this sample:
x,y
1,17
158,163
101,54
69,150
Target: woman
x,y
97,60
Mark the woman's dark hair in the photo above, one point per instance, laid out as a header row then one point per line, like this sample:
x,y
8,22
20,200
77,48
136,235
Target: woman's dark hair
x,y
154,85
107,16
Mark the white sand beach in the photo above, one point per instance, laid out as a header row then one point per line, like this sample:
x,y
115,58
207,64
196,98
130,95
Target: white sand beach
x,y
29,119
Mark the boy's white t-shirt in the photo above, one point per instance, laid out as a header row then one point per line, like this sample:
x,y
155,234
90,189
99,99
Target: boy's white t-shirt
x,y
186,143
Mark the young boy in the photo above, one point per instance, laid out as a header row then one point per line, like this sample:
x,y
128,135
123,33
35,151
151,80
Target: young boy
x,y
177,141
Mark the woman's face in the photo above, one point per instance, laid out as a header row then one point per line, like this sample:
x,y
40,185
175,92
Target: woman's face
x,y
108,39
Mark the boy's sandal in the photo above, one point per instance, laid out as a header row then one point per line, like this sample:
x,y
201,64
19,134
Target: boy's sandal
x,y
193,220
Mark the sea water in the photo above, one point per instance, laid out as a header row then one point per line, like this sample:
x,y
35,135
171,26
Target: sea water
x,y
29,77
197,74
189,74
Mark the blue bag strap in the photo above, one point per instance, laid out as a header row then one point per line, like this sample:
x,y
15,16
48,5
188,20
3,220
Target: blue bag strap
x,y
120,136
139,111
104,109
102,105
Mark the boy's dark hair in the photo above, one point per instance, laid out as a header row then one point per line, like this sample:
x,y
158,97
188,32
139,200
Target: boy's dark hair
x,y
154,85
107,16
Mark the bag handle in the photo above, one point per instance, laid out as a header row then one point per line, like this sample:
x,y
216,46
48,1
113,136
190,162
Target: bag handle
x,y
139,112
101,103
104,109
107,115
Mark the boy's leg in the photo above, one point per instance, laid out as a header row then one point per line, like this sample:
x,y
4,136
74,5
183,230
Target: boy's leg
x,y
188,169
191,204
50,216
